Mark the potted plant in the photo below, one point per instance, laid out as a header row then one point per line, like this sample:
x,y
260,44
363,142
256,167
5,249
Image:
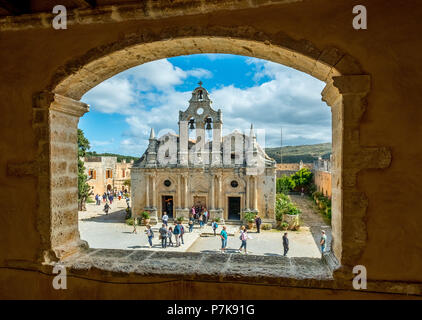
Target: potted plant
x,y
284,225
145,217
180,219
217,219
249,219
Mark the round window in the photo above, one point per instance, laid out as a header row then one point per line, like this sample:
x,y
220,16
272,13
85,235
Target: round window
x,y
234,184
167,183
199,111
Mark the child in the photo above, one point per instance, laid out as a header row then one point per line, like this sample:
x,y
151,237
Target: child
x,y
170,236
214,226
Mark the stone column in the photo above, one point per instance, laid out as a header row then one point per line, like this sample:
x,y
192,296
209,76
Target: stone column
x,y
216,144
147,190
153,210
212,206
55,124
255,193
247,194
179,192
183,143
185,180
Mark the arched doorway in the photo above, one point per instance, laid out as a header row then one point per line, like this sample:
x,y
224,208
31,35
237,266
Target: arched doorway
x,y
346,90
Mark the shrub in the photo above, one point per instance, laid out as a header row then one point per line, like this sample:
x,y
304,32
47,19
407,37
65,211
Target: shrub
x,y
130,222
266,226
217,219
302,178
128,213
249,216
145,215
180,219
284,185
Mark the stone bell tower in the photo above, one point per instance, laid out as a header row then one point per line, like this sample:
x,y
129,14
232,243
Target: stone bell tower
x,y
201,117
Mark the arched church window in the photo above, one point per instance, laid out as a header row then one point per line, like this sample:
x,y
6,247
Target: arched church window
x,y
200,96
167,183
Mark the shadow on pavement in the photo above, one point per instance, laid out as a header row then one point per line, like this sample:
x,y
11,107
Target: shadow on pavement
x,y
117,216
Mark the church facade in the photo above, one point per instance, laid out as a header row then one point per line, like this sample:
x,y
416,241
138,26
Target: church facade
x,y
229,175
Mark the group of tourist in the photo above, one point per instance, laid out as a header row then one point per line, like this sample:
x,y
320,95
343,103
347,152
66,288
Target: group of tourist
x,y
108,197
200,215
166,233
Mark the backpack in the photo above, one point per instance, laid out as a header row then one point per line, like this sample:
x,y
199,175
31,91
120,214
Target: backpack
x,y
176,230
215,225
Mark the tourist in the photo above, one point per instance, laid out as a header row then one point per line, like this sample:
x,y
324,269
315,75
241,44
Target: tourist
x,y
302,192
243,237
285,244
214,226
163,235
223,236
205,216
323,241
182,232
150,235
201,222
176,233
191,223
170,236
106,208
258,222
127,201
110,198
165,218
104,197
135,221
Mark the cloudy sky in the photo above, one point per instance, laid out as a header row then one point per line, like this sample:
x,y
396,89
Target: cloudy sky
x,y
247,90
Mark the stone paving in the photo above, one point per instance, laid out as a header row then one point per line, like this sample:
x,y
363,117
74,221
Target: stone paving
x,y
110,231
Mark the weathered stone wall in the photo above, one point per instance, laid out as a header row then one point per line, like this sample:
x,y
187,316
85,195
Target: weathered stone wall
x,y
322,181
314,36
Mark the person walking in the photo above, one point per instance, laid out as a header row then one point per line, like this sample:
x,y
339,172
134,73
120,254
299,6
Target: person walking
x,y
205,216
104,197
243,237
323,241
201,220
150,235
182,232
191,223
163,236
285,244
106,208
223,236
135,222
165,218
258,222
127,201
170,236
176,233
214,226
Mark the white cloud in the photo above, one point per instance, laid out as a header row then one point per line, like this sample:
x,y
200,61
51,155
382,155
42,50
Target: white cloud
x,y
281,98
114,95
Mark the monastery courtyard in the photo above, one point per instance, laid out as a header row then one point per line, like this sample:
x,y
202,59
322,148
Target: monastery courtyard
x,y
110,231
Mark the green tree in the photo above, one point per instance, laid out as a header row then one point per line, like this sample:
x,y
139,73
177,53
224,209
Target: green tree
x,y
284,184
83,188
302,178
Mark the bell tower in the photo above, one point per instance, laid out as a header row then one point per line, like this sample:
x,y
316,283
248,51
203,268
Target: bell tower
x,y
200,116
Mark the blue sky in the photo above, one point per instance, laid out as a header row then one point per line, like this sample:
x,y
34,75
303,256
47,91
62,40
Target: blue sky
x,y
247,90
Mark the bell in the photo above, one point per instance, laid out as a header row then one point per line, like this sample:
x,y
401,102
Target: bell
x,y
208,121
191,125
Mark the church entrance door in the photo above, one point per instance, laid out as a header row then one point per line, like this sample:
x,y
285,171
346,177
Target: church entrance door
x,y
234,208
167,205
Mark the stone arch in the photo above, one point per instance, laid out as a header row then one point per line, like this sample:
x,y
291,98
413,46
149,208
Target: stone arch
x,y
345,92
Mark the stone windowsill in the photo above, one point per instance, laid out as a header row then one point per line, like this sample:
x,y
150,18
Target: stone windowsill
x,y
197,266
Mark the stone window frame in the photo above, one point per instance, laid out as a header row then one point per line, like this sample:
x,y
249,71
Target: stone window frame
x,y
346,91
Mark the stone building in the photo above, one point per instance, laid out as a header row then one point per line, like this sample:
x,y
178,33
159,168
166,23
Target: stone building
x,y
229,174
322,176
107,174
287,169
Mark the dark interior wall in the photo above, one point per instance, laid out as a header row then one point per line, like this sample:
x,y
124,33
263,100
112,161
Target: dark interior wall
x,y
389,51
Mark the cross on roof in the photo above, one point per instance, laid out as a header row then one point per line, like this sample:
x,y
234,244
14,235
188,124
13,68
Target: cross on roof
x,y
200,83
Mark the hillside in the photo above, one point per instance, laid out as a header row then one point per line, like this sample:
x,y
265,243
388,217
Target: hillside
x,y
291,154
119,156
306,153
